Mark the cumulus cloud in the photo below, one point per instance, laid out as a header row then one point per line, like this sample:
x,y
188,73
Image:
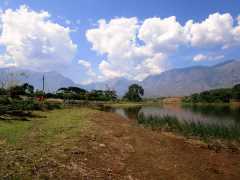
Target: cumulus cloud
x,y
32,40
202,57
91,75
136,49
118,40
162,34
217,29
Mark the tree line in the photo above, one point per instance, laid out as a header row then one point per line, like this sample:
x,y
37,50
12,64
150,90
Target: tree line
x,y
224,95
71,93
134,93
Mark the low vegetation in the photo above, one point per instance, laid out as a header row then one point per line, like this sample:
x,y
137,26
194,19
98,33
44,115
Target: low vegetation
x,y
215,96
18,102
199,129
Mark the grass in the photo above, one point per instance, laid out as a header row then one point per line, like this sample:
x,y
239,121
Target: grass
x,y
57,123
64,123
41,144
199,129
12,131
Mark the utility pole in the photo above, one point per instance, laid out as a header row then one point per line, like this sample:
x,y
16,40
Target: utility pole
x,y
43,83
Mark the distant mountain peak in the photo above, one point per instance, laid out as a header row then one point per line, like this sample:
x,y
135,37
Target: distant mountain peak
x,y
225,63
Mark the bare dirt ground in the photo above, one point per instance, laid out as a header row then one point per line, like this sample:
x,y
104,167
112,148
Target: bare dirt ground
x,y
111,147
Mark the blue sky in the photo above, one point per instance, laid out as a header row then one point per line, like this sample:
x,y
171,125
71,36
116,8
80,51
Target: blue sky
x,y
94,53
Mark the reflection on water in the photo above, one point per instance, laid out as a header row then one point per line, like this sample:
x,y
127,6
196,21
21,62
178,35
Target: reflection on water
x,y
222,115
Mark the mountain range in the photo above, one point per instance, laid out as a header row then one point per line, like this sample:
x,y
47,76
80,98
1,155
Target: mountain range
x,y
185,81
53,80
175,82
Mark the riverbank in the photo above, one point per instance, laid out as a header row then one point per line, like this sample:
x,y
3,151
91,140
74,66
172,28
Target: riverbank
x,y
83,143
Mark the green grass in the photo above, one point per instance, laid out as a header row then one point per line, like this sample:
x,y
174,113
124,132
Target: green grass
x,y
64,123
57,124
199,129
12,131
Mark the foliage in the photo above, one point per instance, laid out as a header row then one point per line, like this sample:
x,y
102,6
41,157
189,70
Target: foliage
x,y
25,89
215,96
236,92
3,91
71,89
4,100
25,105
39,93
134,93
28,89
199,129
75,93
101,95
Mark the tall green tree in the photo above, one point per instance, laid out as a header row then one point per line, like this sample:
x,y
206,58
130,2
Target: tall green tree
x,y
135,93
236,92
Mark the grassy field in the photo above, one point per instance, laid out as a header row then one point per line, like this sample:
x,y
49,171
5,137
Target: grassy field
x,y
26,145
56,123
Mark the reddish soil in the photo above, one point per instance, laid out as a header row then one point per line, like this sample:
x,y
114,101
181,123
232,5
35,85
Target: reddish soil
x,y
133,152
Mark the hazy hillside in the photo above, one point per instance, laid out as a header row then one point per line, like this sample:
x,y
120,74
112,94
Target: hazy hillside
x,y
53,80
186,81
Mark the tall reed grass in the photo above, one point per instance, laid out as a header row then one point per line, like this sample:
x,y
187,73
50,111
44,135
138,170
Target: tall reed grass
x,y
186,128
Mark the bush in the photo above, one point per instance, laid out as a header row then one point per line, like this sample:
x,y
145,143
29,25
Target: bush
x,y
26,105
4,100
52,106
3,91
214,96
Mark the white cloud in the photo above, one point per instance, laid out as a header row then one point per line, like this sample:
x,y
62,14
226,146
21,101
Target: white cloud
x,y
202,57
199,57
162,34
32,40
84,63
91,75
215,30
135,49
114,37
125,57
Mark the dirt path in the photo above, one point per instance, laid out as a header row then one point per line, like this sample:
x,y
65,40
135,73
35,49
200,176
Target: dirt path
x,y
115,148
135,152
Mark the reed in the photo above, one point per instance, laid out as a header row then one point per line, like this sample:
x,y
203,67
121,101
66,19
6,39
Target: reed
x,y
186,128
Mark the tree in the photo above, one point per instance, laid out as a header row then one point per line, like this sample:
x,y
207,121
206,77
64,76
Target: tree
x,y
111,95
236,92
29,89
16,91
25,89
72,93
134,93
77,90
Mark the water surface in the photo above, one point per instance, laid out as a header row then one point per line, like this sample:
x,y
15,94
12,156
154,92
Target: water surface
x,y
221,115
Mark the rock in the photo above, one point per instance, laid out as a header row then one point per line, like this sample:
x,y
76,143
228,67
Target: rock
x,y
78,151
102,145
129,148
